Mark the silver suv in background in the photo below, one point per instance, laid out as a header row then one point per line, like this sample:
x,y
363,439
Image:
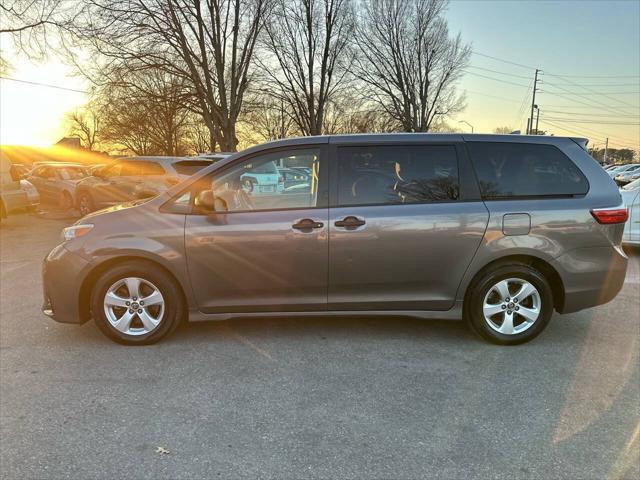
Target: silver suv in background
x,y
499,230
133,178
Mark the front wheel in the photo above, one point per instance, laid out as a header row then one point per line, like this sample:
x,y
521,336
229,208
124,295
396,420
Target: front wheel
x,y
137,303
85,204
510,304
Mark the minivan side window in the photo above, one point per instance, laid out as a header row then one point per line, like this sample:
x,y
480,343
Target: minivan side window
x,y
386,174
513,170
257,184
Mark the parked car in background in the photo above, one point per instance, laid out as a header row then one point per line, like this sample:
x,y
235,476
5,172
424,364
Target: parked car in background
x,y
631,197
620,169
12,196
19,171
425,225
214,156
294,176
262,179
32,193
133,178
95,167
56,182
622,178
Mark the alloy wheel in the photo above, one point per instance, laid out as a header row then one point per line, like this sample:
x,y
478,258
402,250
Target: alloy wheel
x,y
511,306
134,306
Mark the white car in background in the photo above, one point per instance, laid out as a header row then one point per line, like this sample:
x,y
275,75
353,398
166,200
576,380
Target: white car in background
x,y
262,179
621,169
631,198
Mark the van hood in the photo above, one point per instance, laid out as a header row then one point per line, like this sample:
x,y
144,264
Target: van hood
x,y
113,209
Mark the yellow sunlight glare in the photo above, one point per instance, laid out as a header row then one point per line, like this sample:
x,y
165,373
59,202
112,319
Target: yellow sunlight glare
x,y
33,114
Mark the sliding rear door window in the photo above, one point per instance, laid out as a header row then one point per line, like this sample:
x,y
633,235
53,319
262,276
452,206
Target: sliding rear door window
x,y
513,170
382,175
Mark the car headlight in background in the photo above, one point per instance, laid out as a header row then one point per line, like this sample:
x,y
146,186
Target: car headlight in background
x,y
76,231
28,188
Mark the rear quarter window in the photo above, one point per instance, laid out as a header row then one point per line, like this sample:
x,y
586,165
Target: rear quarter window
x,y
513,170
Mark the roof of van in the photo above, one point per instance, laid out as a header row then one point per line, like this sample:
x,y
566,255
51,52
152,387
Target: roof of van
x,y
417,137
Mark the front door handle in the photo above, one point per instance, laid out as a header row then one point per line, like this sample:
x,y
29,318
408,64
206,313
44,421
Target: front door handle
x,y
307,224
350,222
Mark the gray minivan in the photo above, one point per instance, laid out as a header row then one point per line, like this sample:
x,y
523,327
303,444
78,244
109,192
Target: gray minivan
x,y
500,230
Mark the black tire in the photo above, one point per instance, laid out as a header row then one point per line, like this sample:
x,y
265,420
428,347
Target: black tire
x,y
85,204
174,305
480,288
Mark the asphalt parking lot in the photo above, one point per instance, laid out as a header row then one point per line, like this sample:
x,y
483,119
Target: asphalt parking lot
x,y
311,398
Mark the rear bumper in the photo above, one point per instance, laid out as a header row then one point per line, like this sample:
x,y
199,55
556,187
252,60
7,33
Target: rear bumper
x,y
591,276
62,274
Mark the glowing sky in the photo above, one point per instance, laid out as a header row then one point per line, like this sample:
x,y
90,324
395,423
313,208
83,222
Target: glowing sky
x,y
576,38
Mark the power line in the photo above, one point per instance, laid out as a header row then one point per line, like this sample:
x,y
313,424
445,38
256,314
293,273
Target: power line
x,y
499,73
597,122
502,60
48,85
591,114
598,84
635,107
593,91
496,79
597,93
493,96
593,76
590,136
599,132
594,104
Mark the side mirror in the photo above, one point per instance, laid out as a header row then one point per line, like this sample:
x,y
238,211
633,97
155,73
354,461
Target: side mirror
x,y
143,193
206,201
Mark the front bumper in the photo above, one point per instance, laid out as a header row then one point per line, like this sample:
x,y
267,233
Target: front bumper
x,y
62,276
591,276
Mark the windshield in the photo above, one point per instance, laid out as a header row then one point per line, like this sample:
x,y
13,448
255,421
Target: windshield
x,y
72,173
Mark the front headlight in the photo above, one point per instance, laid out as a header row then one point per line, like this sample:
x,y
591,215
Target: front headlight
x,y
76,231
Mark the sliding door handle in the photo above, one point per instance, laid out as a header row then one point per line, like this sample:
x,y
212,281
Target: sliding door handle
x,y
307,224
350,222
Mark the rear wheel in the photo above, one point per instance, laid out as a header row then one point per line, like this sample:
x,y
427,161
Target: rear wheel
x,y
510,304
137,303
85,204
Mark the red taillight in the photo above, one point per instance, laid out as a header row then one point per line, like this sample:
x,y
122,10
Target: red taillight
x,y
609,216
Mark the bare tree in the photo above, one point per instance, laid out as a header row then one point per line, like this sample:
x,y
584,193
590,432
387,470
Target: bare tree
x,y
270,118
85,124
207,43
149,118
27,15
32,23
306,41
196,137
407,62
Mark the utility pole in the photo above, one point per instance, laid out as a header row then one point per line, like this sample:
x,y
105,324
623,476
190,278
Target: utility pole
x,y
606,150
533,101
537,118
